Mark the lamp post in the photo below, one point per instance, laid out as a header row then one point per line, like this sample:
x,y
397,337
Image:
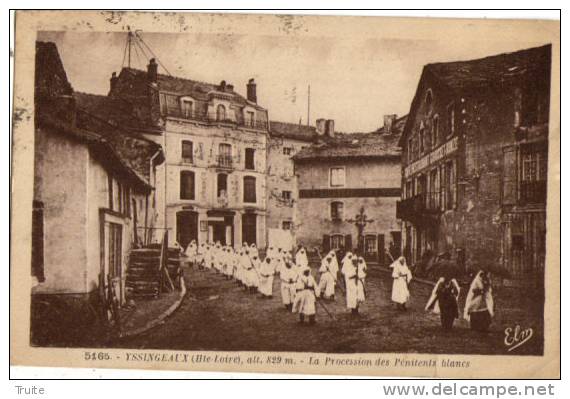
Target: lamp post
x,y
360,221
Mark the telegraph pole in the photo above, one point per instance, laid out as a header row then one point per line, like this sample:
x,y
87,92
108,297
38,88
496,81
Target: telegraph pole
x,y
309,107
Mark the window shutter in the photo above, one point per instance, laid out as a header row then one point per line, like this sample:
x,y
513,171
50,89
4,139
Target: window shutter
x,y
381,249
509,175
326,243
348,242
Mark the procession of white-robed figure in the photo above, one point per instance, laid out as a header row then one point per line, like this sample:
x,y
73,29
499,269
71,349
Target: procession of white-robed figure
x,y
301,293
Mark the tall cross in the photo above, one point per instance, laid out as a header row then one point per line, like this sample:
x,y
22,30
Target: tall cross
x,y
360,220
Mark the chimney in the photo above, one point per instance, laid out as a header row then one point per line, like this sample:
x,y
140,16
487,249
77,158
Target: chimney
x,y
252,91
321,126
329,127
113,80
389,123
152,71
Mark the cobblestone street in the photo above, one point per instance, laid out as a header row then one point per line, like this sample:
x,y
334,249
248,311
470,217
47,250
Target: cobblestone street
x,y
216,314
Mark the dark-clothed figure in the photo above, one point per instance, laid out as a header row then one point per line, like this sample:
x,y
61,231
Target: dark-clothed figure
x,y
443,300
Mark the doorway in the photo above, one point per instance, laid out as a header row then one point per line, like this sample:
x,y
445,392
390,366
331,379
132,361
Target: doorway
x,y
186,227
219,233
249,228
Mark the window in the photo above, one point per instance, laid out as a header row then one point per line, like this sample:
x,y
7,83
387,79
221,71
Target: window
x,y
337,210
409,189
337,177
429,99
249,119
38,241
286,225
111,194
410,150
222,185
187,151
249,189
337,241
119,197
187,185
450,120
115,239
534,161
287,150
449,192
370,244
225,155
163,104
221,113
186,108
286,195
433,197
435,131
422,140
250,158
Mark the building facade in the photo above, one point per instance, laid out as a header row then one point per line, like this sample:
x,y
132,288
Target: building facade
x,y
342,175
88,200
285,140
474,163
215,142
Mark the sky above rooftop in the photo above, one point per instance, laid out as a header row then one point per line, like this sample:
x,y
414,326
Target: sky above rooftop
x,y
354,81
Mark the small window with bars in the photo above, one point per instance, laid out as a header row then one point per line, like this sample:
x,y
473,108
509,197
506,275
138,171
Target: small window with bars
x,y
187,151
337,210
187,185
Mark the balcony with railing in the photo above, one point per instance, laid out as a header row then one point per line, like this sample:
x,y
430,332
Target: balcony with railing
x,y
224,161
419,208
213,117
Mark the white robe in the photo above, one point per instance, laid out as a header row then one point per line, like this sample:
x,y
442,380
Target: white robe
x,y
254,271
247,271
266,274
301,259
328,278
288,276
354,278
478,302
305,300
253,251
191,252
334,263
401,276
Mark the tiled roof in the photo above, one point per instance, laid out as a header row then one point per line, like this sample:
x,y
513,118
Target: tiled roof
x,y
293,131
493,71
377,144
496,69
196,89
50,76
57,108
103,149
111,118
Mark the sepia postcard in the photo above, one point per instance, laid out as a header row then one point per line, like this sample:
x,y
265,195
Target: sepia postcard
x,y
342,195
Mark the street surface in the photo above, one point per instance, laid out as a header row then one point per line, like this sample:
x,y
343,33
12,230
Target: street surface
x,y
216,314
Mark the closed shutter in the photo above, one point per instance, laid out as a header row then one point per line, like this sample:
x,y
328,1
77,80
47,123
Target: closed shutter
x,y
381,250
326,243
348,242
509,175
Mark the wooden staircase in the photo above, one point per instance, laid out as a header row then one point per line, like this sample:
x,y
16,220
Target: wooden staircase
x,y
144,275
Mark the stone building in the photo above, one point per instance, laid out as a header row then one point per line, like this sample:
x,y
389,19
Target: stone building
x,y
474,163
215,140
285,140
91,191
342,174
